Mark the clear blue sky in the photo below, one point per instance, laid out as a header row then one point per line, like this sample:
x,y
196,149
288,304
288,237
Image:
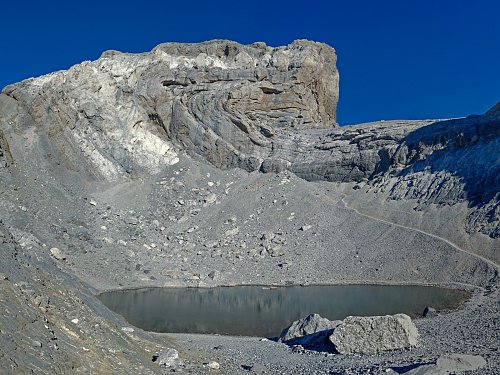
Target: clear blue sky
x,y
397,59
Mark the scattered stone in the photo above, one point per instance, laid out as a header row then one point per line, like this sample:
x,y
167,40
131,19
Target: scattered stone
x,y
93,203
131,220
75,321
168,358
232,232
211,244
210,199
213,365
127,329
36,343
57,254
276,251
214,275
374,334
429,312
267,240
305,227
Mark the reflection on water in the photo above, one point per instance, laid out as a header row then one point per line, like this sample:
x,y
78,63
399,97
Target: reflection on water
x,y
257,311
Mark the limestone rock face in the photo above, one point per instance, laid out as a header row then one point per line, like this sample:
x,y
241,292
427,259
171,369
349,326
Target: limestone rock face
x,y
374,334
218,99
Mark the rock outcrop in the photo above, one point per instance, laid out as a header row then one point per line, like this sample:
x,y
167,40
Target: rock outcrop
x,y
374,334
219,99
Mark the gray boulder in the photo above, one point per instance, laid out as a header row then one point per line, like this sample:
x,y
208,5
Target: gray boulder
x,y
311,330
168,358
374,334
57,254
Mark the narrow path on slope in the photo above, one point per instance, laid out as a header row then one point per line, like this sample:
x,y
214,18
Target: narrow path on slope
x,y
456,247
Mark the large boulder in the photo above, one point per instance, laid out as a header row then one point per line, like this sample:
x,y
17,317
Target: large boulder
x,y
374,334
305,330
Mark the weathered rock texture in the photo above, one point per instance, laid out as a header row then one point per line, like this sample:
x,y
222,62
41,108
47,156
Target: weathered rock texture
x,y
374,334
219,99
311,331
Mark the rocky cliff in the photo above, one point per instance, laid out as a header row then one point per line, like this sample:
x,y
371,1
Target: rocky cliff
x,y
220,100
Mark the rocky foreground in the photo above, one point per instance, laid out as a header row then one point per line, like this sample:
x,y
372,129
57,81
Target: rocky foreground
x,y
222,164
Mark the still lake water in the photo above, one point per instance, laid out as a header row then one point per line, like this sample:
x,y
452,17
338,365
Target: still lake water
x,y
264,312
